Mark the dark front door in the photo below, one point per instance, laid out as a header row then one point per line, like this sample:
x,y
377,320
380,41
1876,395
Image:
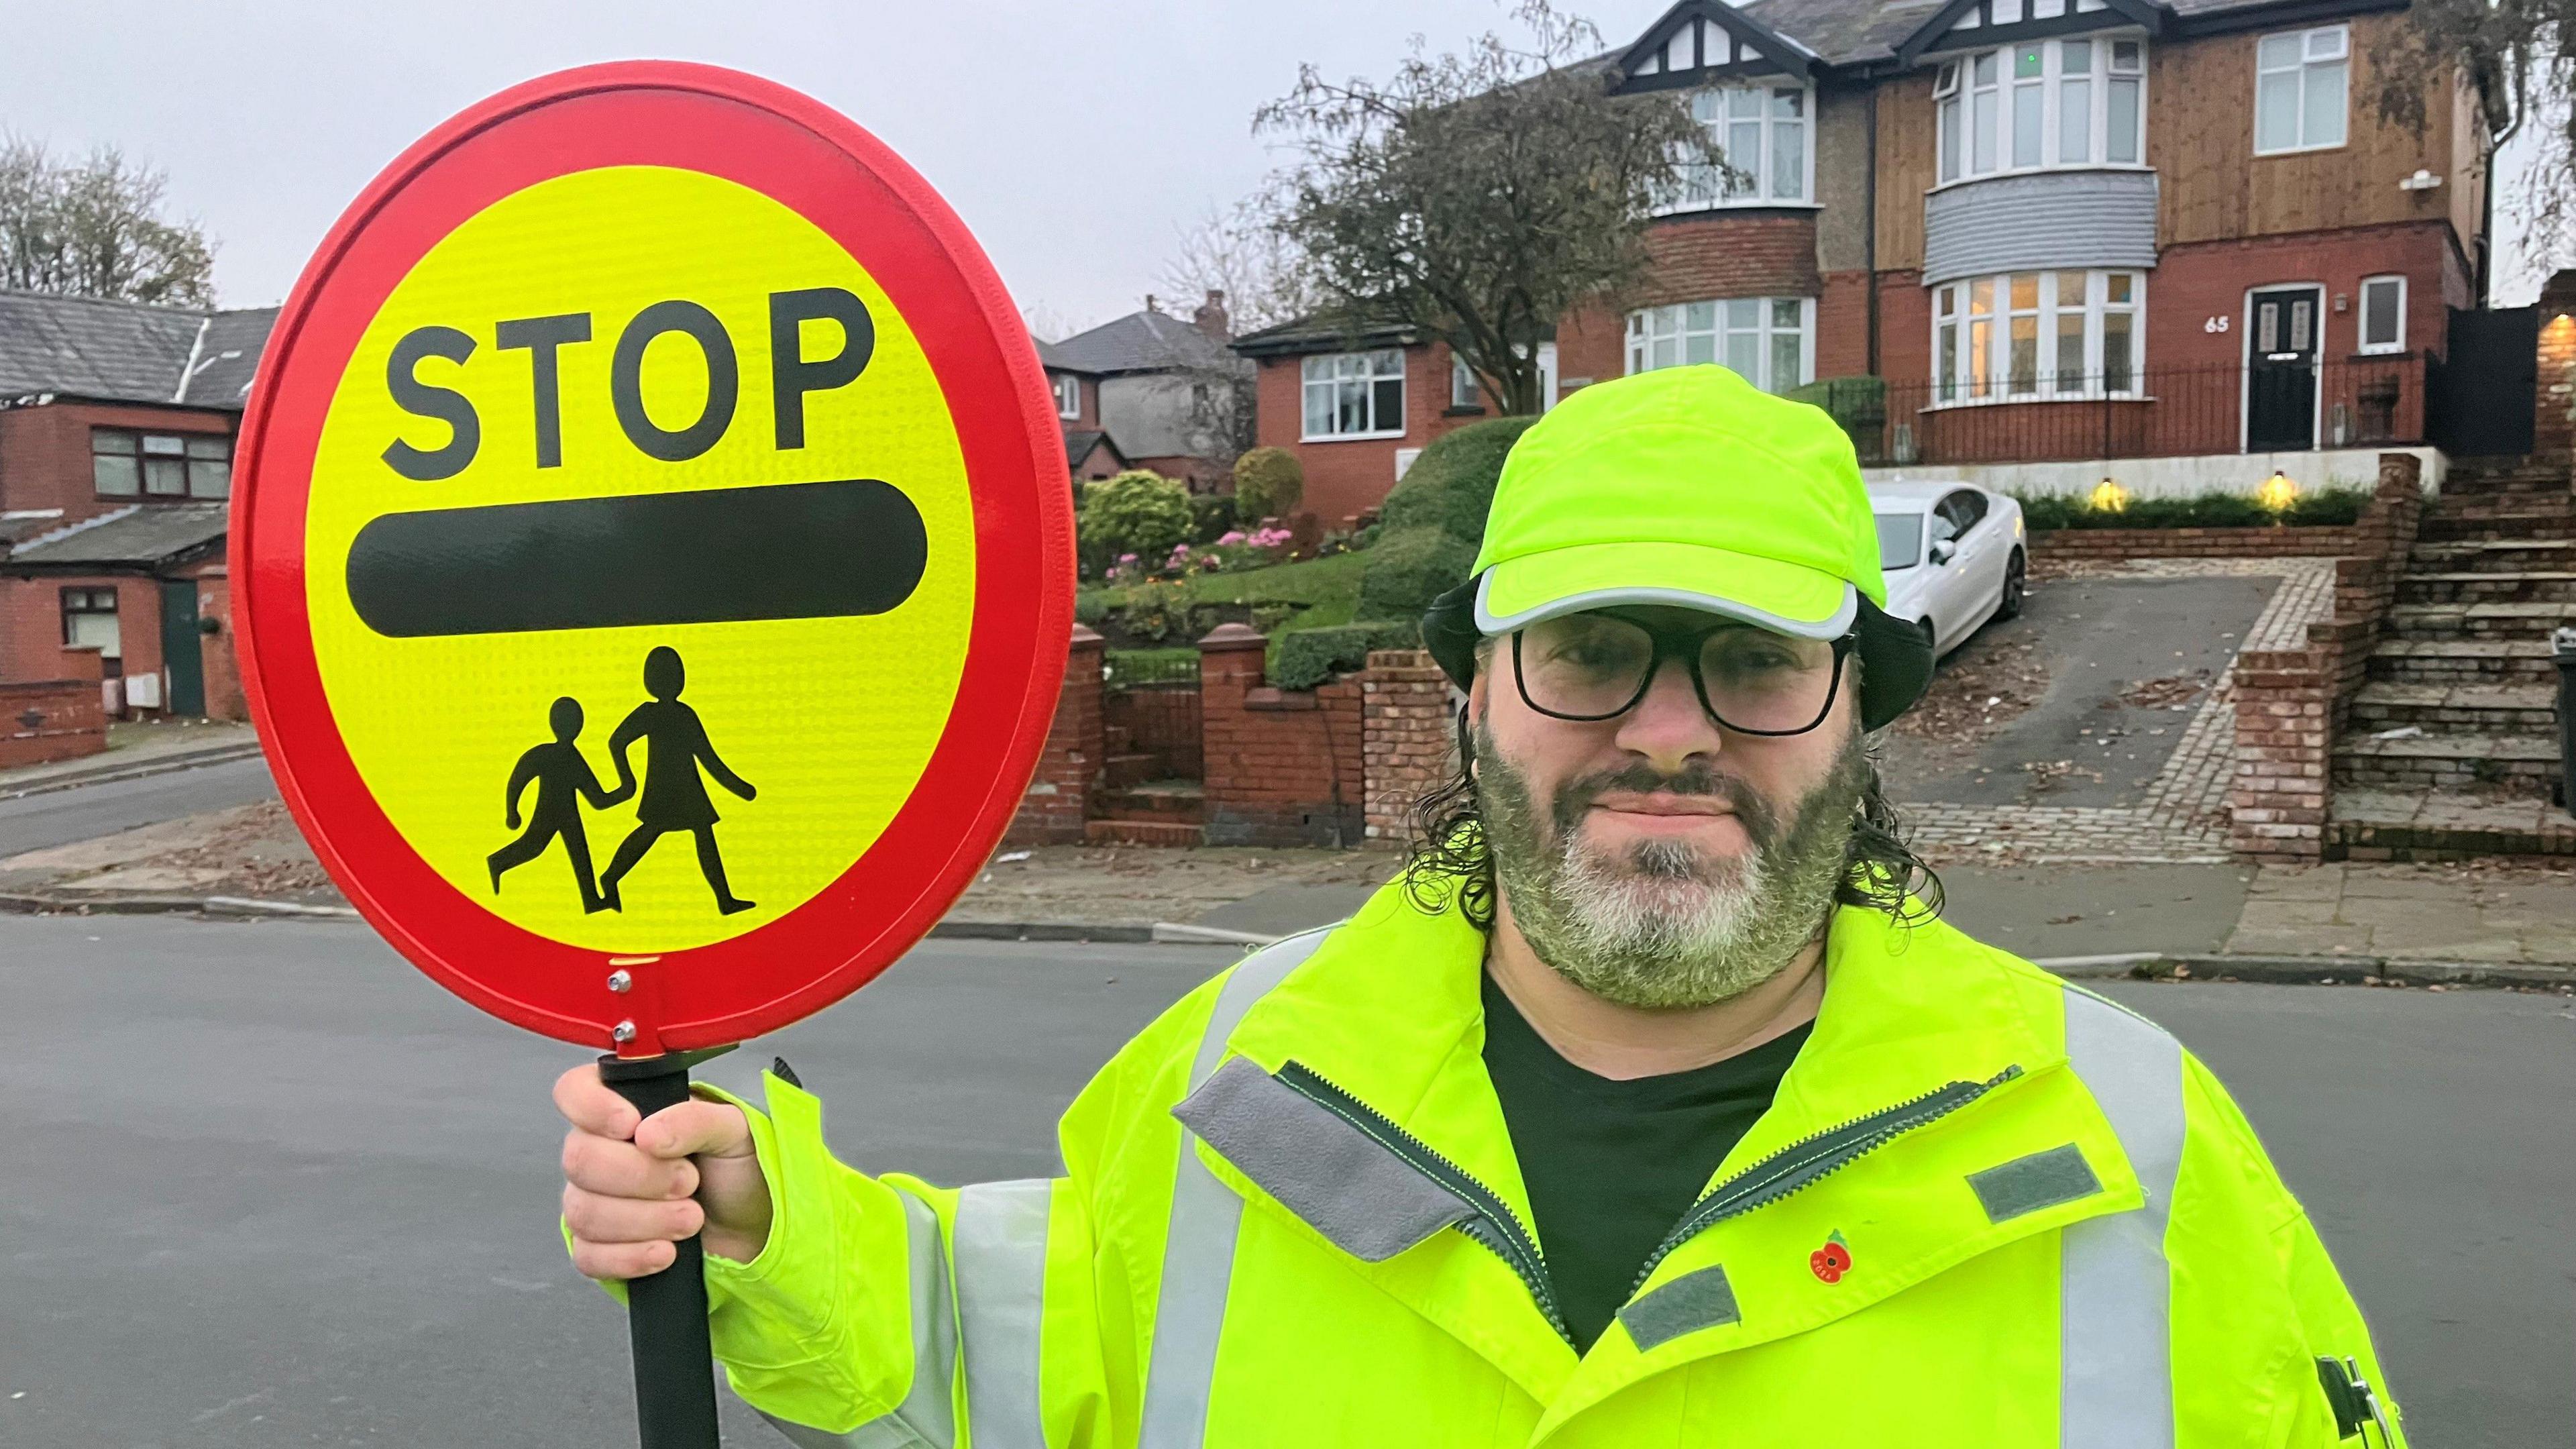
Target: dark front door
x,y
179,648
2281,370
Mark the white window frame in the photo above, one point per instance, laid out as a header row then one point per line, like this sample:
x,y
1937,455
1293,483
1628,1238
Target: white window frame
x,y
2305,70
2361,315
1068,395
1961,305
1463,389
1957,91
1331,372
1702,187
1682,323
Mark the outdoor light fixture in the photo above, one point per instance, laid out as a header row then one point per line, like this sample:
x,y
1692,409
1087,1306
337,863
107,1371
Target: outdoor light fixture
x,y
2278,492
2109,497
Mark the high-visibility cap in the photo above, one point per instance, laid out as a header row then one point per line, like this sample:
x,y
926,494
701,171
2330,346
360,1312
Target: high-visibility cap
x,y
1688,486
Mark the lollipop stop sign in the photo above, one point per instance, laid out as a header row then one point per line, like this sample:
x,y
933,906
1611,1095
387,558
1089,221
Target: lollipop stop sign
x,y
654,565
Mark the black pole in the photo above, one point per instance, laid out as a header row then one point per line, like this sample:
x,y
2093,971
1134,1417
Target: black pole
x,y
666,1312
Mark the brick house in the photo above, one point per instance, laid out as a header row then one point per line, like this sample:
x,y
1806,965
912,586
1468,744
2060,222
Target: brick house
x,y
2066,238
1150,390
116,435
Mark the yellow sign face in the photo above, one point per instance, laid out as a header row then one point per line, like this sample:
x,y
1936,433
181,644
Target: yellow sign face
x,y
704,406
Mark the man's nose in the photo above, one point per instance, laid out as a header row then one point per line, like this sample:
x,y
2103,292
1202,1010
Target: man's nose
x,y
1669,727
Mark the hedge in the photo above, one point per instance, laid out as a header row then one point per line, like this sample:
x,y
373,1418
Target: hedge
x,y
1307,657
1410,568
2325,508
1268,483
1452,484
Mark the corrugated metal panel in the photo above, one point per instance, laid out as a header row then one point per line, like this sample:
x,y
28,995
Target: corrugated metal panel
x,y
2041,220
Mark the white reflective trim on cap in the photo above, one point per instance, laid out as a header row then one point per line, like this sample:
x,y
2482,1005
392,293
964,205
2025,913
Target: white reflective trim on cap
x,y
1833,627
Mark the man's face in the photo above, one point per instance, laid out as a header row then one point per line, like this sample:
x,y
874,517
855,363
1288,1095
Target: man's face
x,y
1658,858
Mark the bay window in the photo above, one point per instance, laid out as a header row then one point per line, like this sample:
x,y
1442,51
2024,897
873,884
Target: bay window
x,y
2040,105
2300,77
1768,341
1354,394
2034,335
1762,131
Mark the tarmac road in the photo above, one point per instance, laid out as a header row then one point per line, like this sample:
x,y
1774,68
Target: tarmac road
x,y
59,817
269,1186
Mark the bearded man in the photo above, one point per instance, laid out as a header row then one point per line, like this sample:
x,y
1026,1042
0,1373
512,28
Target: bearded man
x,y
1652,1105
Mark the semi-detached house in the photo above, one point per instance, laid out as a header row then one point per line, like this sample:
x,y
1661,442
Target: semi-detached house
x,y
2068,239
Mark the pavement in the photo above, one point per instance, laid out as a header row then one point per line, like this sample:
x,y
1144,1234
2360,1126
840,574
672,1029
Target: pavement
x,y
312,1196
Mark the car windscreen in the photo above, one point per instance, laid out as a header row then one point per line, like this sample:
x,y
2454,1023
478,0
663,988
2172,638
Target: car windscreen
x,y
1900,540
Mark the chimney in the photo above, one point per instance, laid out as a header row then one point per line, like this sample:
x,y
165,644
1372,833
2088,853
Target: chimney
x,y
1210,318
1149,303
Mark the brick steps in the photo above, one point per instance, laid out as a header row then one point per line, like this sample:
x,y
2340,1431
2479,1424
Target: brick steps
x,y
2481,621
2493,556
1133,767
2463,661
2522,763
2516,709
2521,523
2526,586
1171,801
2384,824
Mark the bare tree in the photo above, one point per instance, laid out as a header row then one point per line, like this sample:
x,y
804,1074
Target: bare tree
x,y
2514,64
1475,197
1241,252
93,228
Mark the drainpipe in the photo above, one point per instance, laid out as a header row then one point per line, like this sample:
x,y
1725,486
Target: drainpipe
x,y
1869,222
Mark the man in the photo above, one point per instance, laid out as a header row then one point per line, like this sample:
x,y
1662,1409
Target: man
x,y
1651,1107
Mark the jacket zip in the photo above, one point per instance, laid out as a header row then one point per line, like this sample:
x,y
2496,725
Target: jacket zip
x,y
1802,1163
1494,1225
1784,1172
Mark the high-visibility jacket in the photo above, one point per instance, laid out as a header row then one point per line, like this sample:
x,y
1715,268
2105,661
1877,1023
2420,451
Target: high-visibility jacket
x,y
1985,1209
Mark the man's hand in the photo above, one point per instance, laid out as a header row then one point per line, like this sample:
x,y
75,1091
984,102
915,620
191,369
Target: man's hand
x,y
634,1187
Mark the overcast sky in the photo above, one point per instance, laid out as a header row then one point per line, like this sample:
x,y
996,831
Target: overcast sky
x,y
1075,138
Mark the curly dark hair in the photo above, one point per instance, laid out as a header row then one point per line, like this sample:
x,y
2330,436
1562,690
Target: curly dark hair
x,y
1450,860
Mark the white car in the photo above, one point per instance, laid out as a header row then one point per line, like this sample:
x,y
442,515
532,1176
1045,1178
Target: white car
x,y
1955,556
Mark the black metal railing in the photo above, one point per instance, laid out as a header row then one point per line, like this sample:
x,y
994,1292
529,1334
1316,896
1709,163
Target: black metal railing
x,y
2161,412
1131,668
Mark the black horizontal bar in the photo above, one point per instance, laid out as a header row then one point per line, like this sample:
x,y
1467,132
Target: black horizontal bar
x,y
788,551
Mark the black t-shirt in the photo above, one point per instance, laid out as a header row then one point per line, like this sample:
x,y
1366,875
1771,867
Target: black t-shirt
x,y
1611,1166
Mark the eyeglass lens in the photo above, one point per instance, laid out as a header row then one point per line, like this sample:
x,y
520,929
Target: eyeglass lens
x,y
1593,666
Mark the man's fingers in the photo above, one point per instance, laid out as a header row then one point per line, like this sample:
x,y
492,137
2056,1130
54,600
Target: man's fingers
x,y
621,1169
595,1218
616,1262
692,1127
592,1105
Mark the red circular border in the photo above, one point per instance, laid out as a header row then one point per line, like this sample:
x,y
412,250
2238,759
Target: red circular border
x,y
815,161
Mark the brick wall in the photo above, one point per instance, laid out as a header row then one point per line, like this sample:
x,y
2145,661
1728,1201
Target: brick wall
x,y
2068,544
1161,720
1407,740
1347,477
2554,420
224,697
1283,766
1735,254
53,719
2290,703
31,623
1059,796
44,451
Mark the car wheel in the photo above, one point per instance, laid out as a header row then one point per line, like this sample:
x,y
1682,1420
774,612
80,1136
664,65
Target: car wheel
x,y
2014,587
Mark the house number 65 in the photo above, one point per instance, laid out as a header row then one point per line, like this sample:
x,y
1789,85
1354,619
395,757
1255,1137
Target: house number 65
x,y
2214,324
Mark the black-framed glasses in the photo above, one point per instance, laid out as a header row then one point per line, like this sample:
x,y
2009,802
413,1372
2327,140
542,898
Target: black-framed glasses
x,y
1595,666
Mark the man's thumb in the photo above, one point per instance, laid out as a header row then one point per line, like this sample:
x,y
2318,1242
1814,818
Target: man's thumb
x,y
694,1128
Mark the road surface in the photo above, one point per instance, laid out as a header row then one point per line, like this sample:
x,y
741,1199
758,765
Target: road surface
x,y
269,1186
59,817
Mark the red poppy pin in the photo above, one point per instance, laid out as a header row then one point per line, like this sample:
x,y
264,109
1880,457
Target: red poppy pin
x,y
1831,1261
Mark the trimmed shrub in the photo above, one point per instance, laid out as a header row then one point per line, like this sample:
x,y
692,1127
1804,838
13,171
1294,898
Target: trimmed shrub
x,y
1452,484
1135,512
1408,569
1089,608
1268,483
1308,657
2325,508
1856,404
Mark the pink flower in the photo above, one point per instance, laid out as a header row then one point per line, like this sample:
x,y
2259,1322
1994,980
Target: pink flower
x,y
1232,536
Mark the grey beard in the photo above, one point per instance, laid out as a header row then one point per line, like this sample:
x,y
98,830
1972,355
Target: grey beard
x,y
1662,927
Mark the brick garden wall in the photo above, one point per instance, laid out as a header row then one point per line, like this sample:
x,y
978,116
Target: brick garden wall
x,y
53,719
1282,765
1161,720
2290,703
2554,413
1059,797
1407,741
2112,544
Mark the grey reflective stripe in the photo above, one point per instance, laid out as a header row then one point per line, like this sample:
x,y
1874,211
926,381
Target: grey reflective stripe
x,y
1198,1246
1001,1243
925,1418
2115,1331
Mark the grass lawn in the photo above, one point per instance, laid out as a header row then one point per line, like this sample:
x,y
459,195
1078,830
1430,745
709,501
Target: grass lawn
x,y
1329,588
